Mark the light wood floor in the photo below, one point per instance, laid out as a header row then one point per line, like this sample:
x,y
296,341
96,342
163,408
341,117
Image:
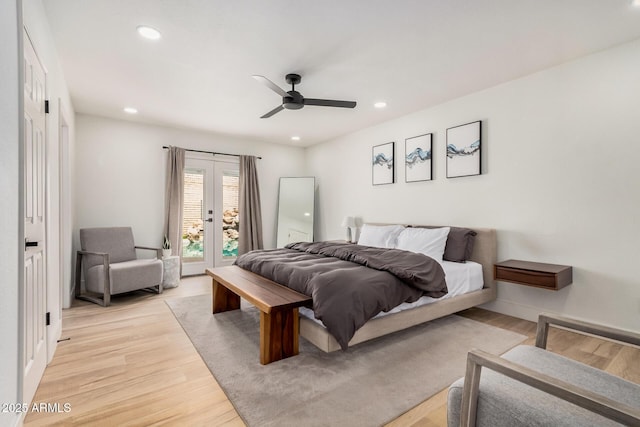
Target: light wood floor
x,y
132,364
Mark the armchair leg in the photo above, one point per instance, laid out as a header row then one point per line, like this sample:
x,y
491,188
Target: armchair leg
x,y
78,285
107,281
153,289
94,300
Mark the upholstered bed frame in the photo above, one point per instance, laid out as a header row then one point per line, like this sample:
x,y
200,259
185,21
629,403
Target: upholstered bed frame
x,y
484,252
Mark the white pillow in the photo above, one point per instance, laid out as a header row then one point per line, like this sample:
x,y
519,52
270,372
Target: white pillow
x,y
380,236
427,241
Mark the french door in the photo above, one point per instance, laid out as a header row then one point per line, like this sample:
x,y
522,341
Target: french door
x,y
210,215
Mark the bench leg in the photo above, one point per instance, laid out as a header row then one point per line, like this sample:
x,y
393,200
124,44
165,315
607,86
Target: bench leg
x,y
223,298
279,332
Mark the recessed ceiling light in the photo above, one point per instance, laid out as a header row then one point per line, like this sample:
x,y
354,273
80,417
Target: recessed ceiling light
x,y
635,3
295,138
149,32
380,104
307,214
130,110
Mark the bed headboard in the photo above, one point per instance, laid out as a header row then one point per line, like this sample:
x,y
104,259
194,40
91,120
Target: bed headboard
x,y
485,250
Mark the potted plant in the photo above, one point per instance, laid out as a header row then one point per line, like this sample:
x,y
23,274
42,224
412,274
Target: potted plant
x,y
166,247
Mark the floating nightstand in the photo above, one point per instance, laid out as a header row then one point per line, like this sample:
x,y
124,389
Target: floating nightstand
x,y
537,274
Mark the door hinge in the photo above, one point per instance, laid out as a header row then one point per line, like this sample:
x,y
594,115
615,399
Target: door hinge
x,y
48,318
46,106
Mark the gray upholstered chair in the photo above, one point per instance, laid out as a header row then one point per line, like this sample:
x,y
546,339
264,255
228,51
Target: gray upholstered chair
x,y
531,386
110,266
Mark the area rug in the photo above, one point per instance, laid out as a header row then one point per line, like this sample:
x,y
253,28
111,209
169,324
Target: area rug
x,y
368,385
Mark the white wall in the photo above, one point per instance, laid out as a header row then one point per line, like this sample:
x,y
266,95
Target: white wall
x,y
10,214
560,181
120,173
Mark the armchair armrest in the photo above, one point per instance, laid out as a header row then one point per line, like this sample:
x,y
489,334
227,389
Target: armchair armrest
x,y
107,287
593,402
546,319
92,253
158,250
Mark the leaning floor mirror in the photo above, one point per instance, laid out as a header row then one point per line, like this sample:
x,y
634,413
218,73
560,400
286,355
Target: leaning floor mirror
x,y
295,210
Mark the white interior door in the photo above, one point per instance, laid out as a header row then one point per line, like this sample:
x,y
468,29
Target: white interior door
x,y
34,309
197,232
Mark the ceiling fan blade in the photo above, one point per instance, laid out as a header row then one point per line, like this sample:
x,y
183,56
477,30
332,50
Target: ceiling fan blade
x,y
271,85
272,112
329,103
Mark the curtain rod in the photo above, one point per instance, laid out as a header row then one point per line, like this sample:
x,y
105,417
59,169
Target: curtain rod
x,y
209,152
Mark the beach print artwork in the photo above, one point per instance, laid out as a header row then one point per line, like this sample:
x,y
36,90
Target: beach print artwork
x,y
464,150
382,164
418,158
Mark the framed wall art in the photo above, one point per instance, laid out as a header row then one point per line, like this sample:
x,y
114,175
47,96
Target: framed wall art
x,y
464,150
383,168
417,158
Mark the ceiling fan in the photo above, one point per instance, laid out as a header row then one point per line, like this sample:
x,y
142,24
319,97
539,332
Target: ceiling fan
x,y
293,100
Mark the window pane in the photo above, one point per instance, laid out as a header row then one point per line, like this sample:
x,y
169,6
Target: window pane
x,y
193,216
230,221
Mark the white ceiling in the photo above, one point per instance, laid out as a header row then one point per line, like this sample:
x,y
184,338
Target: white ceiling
x,y
411,53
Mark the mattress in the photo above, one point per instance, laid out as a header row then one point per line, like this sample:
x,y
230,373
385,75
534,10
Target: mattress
x,y
461,278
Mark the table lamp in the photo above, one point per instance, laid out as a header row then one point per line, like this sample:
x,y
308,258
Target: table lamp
x,y
350,223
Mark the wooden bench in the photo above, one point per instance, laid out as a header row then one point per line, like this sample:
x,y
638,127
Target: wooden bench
x,y
278,305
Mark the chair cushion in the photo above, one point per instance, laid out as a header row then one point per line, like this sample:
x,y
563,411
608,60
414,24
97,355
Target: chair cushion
x,y
505,402
126,276
116,241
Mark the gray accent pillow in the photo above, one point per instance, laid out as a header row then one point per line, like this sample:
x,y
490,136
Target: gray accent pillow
x,y
459,244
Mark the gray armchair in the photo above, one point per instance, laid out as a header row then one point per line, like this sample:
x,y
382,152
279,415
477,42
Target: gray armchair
x,y
531,386
110,266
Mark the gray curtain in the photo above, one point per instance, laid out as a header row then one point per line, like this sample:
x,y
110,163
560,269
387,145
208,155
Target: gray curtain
x,y
174,199
250,233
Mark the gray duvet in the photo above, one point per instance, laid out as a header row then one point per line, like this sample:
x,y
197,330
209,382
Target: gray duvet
x,y
349,284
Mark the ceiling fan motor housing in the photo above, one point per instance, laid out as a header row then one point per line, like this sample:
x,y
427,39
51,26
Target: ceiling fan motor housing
x,y
294,101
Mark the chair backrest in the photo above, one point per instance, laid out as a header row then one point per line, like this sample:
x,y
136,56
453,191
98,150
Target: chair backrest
x,y
116,241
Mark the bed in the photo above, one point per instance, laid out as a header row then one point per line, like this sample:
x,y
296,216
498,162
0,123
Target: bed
x,y
480,263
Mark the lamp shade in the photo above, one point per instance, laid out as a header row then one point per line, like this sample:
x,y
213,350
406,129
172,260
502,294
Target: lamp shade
x,y
348,221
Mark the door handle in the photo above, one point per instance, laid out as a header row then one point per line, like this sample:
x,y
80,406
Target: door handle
x,y
209,219
28,244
